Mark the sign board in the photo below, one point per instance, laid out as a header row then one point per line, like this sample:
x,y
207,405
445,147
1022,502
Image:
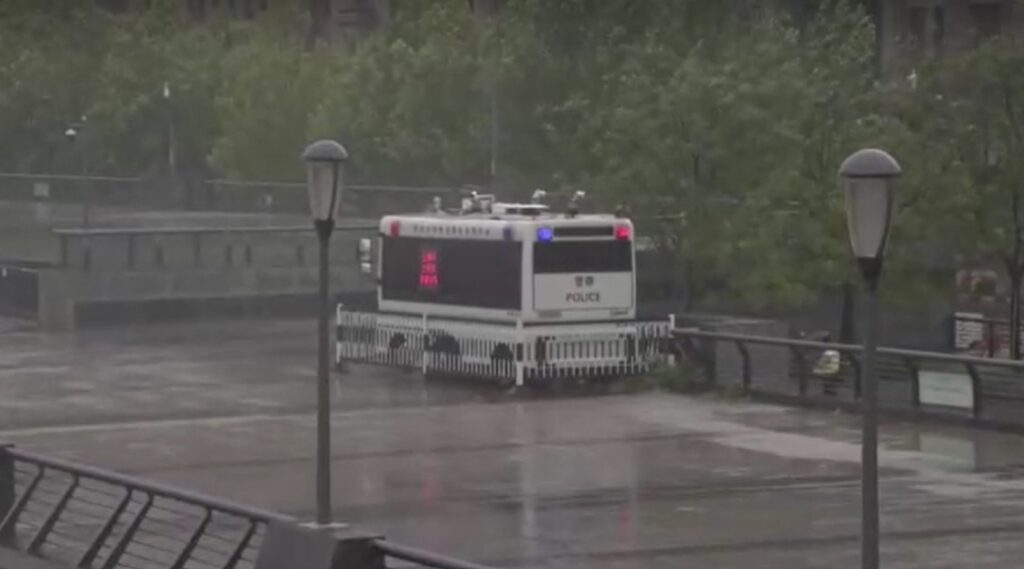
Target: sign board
x,y
968,331
945,389
559,291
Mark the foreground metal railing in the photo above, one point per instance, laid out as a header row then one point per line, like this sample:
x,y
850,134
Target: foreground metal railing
x,y
90,518
981,389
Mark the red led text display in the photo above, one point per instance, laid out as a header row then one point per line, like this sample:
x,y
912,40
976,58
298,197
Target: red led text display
x,y
428,270
450,272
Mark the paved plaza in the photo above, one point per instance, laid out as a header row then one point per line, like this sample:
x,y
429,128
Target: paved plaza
x,y
598,481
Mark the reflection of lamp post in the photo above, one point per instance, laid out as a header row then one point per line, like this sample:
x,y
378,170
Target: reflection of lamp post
x,y
866,178
324,159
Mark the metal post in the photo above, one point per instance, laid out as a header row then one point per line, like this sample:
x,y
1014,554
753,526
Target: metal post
x,y
991,337
495,132
83,188
6,493
172,159
869,438
324,228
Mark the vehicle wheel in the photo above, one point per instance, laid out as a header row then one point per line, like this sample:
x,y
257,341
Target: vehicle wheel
x,y
502,360
447,353
397,341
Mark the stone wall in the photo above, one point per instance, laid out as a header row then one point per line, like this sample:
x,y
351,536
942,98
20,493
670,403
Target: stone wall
x,y
119,268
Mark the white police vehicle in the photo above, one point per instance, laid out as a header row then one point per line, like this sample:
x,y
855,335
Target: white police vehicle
x,y
506,291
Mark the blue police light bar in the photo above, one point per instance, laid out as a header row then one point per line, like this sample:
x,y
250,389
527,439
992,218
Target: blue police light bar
x,y
545,234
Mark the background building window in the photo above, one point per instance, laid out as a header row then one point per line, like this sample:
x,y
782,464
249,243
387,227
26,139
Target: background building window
x,y
987,18
927,27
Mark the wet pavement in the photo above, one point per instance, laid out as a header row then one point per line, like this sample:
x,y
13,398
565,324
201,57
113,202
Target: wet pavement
x,y
614,481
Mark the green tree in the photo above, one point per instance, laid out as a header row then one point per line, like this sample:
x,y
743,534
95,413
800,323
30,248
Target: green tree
x,y
270,85
153,107
968,112
737,139
410,101
49,52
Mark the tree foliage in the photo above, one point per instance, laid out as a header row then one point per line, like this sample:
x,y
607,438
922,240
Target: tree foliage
x,y
410,100
720,124
965,115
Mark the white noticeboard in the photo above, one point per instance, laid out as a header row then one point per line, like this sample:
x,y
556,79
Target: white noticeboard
x,y
946,389
968,330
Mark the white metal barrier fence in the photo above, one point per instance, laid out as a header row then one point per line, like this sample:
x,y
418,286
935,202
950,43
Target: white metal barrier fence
x,y
504,352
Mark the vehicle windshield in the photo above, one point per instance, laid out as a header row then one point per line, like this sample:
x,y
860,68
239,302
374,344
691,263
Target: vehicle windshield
x,y
605,256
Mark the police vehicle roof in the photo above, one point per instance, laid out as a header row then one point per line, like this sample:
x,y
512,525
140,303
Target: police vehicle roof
x,y
489,225
515,213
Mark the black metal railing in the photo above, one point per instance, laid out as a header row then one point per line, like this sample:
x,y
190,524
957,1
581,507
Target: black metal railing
x,y
89,518
136,193
203,244
423,558
981,389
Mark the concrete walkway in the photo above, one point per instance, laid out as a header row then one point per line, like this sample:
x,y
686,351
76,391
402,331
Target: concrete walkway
x,y
641,481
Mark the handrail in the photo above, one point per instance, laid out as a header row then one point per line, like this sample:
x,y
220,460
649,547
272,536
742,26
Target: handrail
x,y
79,232
850,348
422,557
219,182
69,177
150,497
161,490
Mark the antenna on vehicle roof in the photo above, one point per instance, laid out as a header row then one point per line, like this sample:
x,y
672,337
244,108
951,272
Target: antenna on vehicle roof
x,y
574,204
484,202
469,201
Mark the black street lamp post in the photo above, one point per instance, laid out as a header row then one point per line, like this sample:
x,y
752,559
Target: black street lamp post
x,y
324,161
866,177
72,134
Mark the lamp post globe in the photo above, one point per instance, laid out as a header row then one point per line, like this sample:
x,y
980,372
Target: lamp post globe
x,y
867,180
324,160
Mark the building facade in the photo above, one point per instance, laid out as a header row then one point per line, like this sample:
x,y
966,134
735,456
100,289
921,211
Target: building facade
x,y
915,29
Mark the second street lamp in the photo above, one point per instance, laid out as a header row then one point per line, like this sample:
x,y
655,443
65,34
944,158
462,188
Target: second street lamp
x,y
324,160
72,134
866,178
